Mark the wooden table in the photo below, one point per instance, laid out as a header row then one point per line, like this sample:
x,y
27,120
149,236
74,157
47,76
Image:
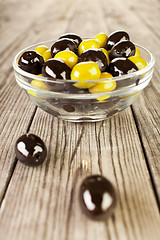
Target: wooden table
x,y
42,203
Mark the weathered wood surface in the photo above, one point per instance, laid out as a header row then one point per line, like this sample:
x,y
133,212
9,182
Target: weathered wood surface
x,y
42,203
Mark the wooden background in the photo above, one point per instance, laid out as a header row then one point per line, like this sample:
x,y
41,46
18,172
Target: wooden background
x,y
42,203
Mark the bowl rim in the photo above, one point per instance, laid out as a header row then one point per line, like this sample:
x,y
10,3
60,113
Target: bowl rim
x,y
44,79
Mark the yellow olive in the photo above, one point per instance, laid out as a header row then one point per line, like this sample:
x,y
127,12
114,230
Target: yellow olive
x,y
138,61
104,85
106,54
87,44
39,84
105,75
41,49
137,52
69,57
47,55
101,38
103,98
85,71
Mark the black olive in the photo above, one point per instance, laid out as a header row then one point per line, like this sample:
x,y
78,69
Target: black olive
x,y
115,37
122,66
77,39
97,197
31,61
56,69
95,55
30,150
122,49
63,44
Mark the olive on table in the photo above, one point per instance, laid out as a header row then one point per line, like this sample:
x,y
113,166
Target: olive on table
x,y
30,150
97,197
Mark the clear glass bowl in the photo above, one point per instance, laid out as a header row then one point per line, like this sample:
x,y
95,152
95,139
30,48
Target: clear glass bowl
x,y
67,104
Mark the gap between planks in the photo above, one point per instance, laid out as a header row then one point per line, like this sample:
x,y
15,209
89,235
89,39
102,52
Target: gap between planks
x,y
16,160
146,159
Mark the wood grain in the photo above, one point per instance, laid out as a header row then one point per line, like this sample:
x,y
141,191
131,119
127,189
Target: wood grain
x,y
147,107
16,109
51,191
42,203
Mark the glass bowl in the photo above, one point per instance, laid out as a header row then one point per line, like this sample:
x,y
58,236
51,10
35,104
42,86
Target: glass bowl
x,y
78,105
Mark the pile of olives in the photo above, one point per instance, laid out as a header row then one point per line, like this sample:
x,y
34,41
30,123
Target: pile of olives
x,y
70,57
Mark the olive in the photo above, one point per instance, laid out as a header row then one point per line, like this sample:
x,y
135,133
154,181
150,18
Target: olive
x,y
41,49
87,44
39,84
77,39
69,57
85,71
137,52
63,44
115,37
97,197
47,55
106,54
122,49
104,85
31,61
56,69
95,55
138,61
30,150
101,38
121,66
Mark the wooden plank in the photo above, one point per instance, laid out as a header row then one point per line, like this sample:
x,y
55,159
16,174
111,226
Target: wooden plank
x,y
148,12
42,203
15,107
147,117
13,25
